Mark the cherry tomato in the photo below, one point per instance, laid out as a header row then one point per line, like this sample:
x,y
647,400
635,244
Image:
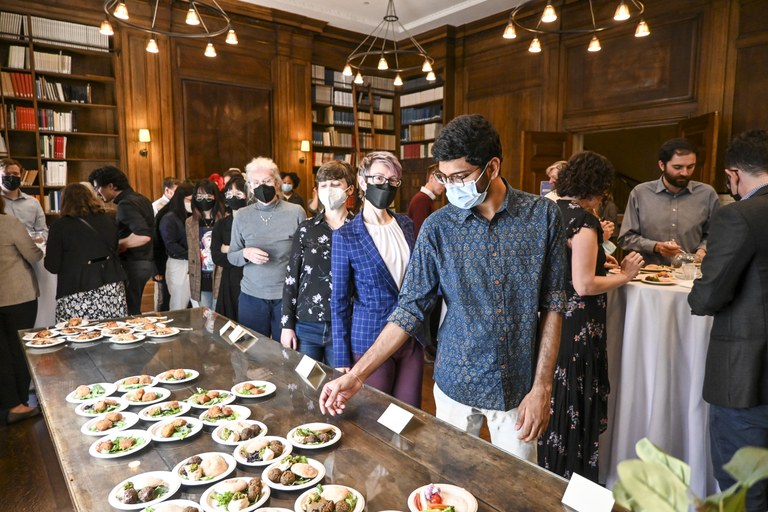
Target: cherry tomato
x,y
435,499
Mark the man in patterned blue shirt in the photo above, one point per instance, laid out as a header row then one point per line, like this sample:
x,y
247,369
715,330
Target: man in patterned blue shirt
x,y
498,257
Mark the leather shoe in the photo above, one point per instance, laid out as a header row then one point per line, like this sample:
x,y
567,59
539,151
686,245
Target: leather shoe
x,y
15,417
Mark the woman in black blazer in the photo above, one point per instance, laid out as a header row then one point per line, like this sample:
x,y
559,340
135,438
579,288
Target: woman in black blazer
x,y
82,251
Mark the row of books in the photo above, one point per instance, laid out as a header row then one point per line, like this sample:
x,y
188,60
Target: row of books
x,y
69,34
52,201
331,137
328,95
319,159
58,91
421,114
377,141
408,151
51,120
324,76
20,118
12,23
3,145
416,98
16,85
328,115
377,121
416,132
28,177
380,103
55,174
53,62
18,57
53,146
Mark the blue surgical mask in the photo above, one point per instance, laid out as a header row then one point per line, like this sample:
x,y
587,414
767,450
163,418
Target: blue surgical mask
x,y
287,187
466,196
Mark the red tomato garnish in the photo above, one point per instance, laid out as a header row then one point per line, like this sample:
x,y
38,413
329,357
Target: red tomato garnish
x,y
435,499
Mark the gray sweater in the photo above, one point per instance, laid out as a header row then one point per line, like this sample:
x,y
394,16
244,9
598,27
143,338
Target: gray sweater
x,y
271,229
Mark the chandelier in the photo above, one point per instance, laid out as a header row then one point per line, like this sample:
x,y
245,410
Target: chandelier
x,y
218,22
632,10
379,51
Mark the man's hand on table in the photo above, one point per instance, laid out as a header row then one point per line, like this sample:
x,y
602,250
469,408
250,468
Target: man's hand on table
x,y
533,414
335,393
667,249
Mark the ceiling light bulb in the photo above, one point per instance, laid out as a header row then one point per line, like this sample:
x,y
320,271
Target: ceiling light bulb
x,y
210,51
359,79
594,45
231,37
398,81
642,29
121,11
152,46
192,18
431,76
535,46
347,70
383,63
549,15
427,67
106,28
622,12
509,31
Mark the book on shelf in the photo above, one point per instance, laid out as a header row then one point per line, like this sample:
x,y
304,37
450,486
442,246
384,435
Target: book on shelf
x,y
28,177
416,98
55,174
59,91
12,23
415,150
319,159
3,145
20,118
73,35
51,120
18,57
421,114
16,85
52,201
53,62
416,132
53,146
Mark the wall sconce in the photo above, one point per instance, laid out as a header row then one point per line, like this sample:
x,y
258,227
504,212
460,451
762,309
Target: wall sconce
x,y
145,138
304,148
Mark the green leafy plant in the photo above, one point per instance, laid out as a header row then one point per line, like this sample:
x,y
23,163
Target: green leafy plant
x,y
658,482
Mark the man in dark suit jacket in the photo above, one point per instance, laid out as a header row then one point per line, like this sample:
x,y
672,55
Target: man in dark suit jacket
x,y
734,288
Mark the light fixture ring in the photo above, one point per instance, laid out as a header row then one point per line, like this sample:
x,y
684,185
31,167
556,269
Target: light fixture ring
x,y
517,13
222,25
357,60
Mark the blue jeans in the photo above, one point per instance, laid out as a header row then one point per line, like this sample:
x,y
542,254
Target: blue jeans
x,y
731,429
206,301
261,315
315,341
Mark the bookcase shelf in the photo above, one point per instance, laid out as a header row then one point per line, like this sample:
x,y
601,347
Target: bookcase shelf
x,y
58,104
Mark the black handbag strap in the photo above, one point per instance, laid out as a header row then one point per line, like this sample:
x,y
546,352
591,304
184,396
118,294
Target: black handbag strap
x,y
111,249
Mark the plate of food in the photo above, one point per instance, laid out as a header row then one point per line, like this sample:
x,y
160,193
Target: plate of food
x,y
85,393
44,333
85,337
324,494
177,505
443,495
146,396
205,468
71,331
119,444
242,493
660,278
110,324
313,436
177,376
45,342
204,398
219,414
175,429
125,339
253,389
262,451
235,432
135,382
100,406
108,423
73,322
144,490
114,331
162,331
164,410
293,473
653,268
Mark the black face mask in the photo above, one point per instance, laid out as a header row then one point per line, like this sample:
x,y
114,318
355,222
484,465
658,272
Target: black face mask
x,y
264,193
205,205
380,196
734,195
11,182
235,203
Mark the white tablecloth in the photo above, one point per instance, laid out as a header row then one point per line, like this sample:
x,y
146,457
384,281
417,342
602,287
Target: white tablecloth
x,y
656,356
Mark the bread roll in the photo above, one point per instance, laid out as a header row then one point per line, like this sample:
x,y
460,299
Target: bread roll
x,y
304,470
335,494
233,485
214,466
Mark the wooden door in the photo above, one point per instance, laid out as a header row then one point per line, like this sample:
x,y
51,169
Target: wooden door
x,y
703,131
539,151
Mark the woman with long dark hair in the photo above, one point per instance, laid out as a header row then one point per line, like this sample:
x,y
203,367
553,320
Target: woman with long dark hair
x,y
235,197
171,255
204,275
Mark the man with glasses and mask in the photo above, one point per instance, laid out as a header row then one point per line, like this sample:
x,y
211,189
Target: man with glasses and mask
x,y
671,214
262,234
734,289
497,255
22,206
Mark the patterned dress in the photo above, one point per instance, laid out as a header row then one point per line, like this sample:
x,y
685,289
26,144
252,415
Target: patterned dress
x,y
580,389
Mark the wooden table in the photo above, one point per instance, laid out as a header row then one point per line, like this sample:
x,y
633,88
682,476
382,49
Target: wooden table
x,y
385,467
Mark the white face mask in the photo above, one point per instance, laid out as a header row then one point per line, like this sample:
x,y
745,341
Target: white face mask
x,y
332,198
467,196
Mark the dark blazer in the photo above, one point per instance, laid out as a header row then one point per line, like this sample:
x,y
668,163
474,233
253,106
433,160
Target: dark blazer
x,y
364,292
734,288
72,245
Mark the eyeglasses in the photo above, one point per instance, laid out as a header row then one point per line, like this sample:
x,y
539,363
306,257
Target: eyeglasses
x,y
257,183
233,192
457,178
378,179
204,197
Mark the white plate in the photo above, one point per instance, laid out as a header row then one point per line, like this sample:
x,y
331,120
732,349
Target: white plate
x,y
139,434
314,426
194,424
176,505
243,423
52,333
645,279
153,334
231,465
123,388
96,335
135,338
461,499
306,485
114,331
269,388
209,505
241,457
273,509
653,268
72,331
109,324
83,323
299,506
191,375
241,413
129,420
230,397
109,388
81,410
171,481
184,408
54,342
162,394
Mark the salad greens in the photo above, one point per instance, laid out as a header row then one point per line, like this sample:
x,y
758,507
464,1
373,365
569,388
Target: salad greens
x,y
96,390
